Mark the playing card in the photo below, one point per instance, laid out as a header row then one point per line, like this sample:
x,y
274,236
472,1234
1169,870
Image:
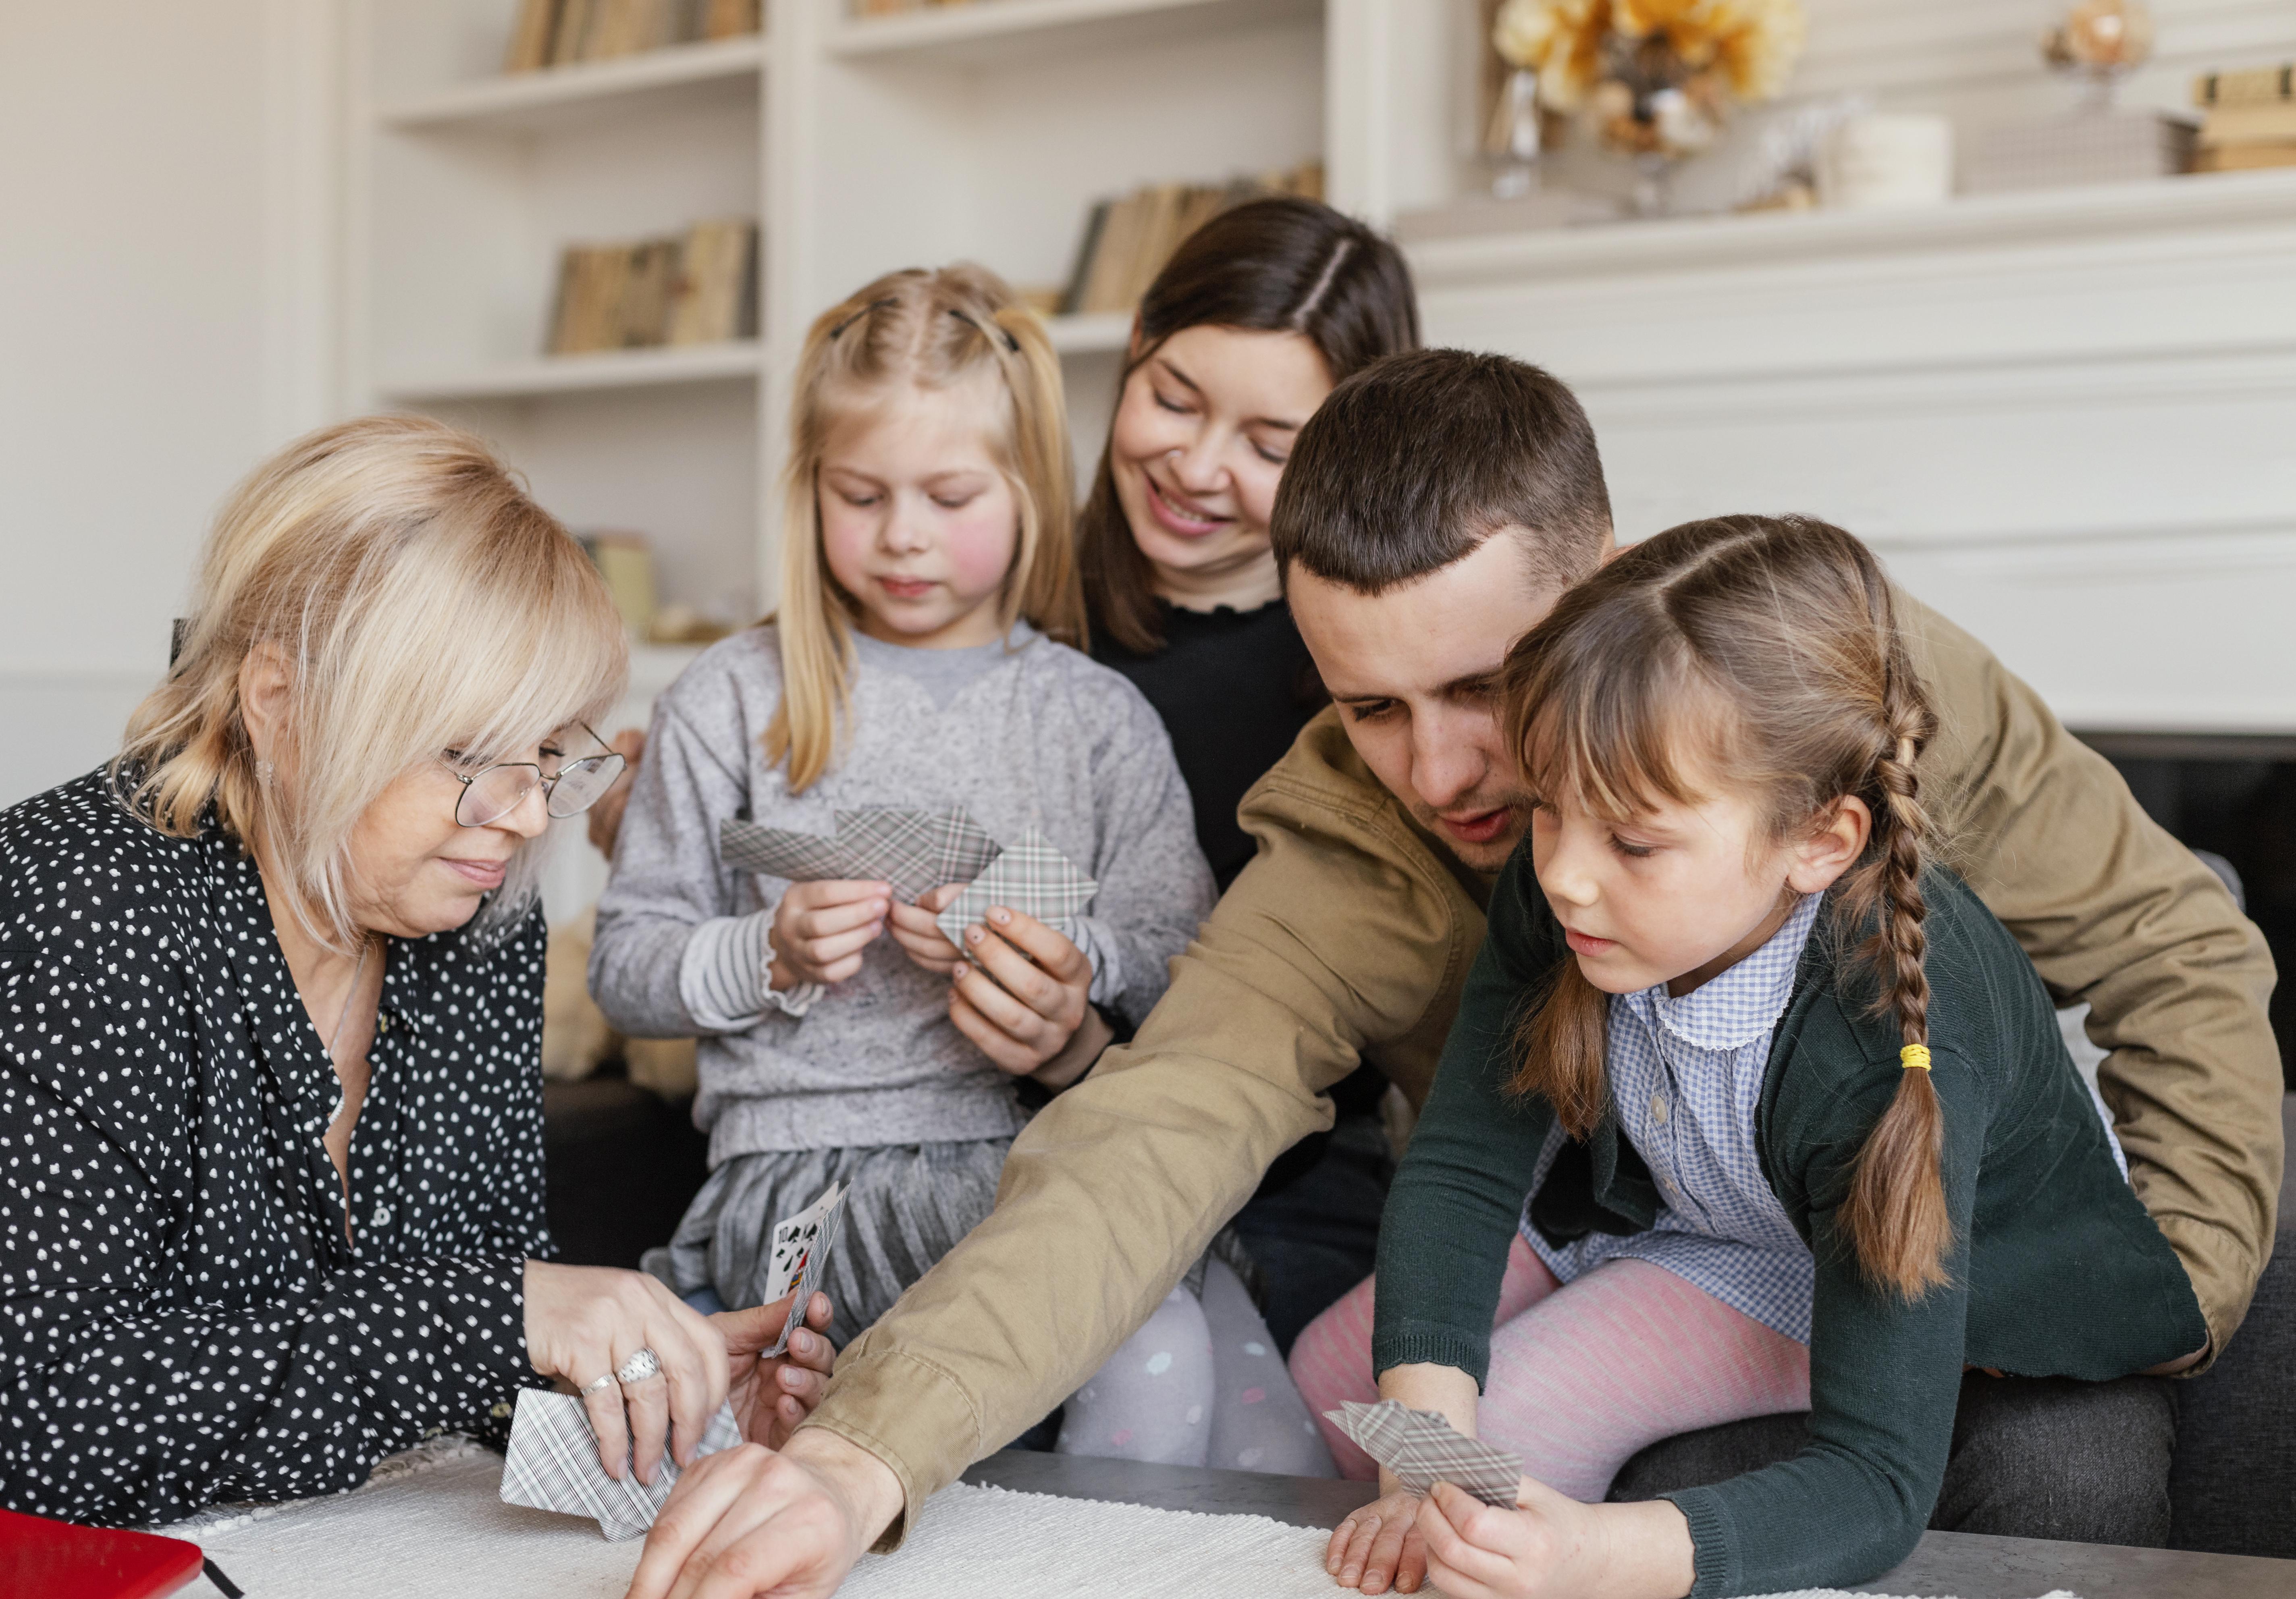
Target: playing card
x,y
1422,1449
552,1464
1032,876
915,850
792,1243
813,1262
780,852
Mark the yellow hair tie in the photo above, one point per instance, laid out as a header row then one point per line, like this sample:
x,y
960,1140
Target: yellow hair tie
x,y
1915,1057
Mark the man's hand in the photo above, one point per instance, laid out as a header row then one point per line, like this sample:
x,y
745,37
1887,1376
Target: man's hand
x,y
747,1521
771,1398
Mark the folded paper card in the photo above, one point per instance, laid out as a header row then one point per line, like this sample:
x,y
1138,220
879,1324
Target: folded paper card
x,y
1030,877
552,1464
914,850
1422,1449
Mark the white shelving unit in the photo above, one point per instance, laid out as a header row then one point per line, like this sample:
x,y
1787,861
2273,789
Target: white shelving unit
x,y
982,132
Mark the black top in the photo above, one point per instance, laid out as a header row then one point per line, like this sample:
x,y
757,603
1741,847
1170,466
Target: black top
x,y
2055,1267
1234,688
181,1318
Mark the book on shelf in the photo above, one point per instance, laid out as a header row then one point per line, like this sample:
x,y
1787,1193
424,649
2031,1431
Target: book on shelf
x,y
699,287
626,561
2247,129
559,33
894,8
2096,147
2256,85
1126,240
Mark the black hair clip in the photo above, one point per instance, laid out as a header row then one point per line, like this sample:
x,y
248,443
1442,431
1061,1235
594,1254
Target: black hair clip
x,y
1010,343
874,305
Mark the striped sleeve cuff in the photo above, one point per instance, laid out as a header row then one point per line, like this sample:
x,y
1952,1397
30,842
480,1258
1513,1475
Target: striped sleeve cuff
x,y
722,978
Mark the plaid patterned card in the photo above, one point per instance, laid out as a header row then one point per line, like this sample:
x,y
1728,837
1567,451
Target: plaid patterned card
x,y
1422,1449
916,850
552,1464
780,852
1030,876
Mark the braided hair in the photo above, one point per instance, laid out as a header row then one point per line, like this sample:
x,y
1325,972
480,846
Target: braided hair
x,y
1769,644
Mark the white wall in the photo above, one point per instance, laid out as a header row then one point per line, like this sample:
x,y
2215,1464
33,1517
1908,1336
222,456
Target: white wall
x,y
149,291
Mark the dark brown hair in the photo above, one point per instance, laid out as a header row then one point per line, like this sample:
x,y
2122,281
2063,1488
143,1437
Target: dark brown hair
x,y
1281,265
1412,462
1770,646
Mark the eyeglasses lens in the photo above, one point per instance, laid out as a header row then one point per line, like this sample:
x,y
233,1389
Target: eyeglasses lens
x,y
494,793
582,783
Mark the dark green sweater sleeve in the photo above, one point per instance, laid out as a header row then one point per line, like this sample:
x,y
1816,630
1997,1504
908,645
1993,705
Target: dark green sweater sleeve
x,y
1457,1197
1885,1374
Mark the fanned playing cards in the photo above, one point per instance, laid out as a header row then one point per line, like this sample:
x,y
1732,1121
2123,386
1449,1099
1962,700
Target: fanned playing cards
x,y
914,850
1422,1449
1030,877
552,1464
801,1248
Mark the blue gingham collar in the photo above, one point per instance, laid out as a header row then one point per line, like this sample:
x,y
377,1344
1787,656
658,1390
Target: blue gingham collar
x,y
1741,1005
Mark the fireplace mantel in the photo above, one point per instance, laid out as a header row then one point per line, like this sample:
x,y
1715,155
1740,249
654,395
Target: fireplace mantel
x,y
2068,418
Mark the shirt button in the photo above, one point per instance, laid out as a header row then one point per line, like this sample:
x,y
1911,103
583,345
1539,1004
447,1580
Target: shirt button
x,y
1658,1109
382,1216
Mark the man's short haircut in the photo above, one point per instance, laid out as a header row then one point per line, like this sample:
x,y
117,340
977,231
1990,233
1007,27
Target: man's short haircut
x,y
1415,461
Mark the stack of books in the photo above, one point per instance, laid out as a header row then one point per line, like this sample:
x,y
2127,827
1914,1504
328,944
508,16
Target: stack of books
x,y
700,287
1127,240
557,33
2249,119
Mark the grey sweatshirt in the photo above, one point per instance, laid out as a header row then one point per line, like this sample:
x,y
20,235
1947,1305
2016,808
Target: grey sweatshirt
x,y
1021,732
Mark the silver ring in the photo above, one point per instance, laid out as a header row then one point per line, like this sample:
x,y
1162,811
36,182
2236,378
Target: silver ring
x,y
597,1385
638,1367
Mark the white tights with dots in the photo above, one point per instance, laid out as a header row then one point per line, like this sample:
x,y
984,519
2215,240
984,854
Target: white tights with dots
x,y
1199,1385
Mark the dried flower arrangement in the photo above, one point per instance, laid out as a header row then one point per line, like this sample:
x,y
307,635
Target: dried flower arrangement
x,y
1656,77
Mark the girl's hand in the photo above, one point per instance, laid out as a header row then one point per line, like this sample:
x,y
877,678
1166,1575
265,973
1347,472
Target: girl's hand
x,y
585,1322
1379,1546
821,929
1023,995
1554,1547
919,935
770,1398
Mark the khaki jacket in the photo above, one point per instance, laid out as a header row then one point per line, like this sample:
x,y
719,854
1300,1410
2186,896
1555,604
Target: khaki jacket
x,y
1349,936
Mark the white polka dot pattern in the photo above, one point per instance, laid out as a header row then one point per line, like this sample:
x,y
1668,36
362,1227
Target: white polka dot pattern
x,y
181,1318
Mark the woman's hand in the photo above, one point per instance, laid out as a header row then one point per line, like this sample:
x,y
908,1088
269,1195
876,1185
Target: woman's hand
x,y
1023,995
605,817
1378,1546
772,1396
748,1522
585,1322
1554,1547
820,930
917,930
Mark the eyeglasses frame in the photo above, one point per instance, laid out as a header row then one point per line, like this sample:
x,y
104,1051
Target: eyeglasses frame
x,y
546,782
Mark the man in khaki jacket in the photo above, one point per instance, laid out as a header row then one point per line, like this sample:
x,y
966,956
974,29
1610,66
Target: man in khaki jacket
x,y
1433,511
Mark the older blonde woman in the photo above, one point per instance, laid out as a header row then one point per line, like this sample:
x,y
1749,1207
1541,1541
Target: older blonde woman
x,y
270,1007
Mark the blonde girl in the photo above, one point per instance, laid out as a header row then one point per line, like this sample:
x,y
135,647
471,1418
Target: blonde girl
x,y
1750,1056
922,658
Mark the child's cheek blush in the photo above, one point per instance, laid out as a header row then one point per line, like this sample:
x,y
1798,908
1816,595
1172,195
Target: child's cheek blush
x,y
980,551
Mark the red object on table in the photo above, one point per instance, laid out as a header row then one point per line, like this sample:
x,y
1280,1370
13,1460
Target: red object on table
x,y
56,1560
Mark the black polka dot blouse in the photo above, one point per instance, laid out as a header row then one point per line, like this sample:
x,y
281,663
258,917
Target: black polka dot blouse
x,y
181,1316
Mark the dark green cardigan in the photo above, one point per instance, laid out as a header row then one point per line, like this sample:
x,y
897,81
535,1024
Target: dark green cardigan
x,y
2056,1268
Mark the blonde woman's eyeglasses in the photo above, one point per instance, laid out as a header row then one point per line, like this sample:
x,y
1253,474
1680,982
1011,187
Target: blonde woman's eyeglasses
x,y
492,792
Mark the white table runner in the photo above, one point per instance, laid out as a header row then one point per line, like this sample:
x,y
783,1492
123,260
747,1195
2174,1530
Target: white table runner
x,y
431,1525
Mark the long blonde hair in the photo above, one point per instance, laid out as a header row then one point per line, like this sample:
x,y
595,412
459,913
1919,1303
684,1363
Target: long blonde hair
x,y
934,330
417,600
1777,637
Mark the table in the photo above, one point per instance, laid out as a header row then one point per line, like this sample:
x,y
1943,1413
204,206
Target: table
x,y
1965,1564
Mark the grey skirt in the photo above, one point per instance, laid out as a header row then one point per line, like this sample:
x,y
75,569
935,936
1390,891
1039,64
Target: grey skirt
x,y
909,1205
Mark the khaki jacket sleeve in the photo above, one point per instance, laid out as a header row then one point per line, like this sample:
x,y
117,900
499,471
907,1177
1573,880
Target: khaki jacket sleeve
x,y
1344,930
2115,911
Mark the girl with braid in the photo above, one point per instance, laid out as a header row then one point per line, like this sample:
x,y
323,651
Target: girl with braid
x,y
1793,1113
